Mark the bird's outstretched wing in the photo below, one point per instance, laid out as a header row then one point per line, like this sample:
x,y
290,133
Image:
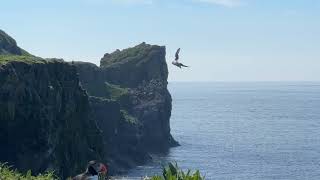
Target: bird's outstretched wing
x,y
177,54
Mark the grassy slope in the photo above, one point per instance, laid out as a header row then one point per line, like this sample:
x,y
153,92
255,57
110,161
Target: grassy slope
x,y
4,59
137,52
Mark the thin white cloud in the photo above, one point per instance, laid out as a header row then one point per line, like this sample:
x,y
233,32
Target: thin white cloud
x,y
226,3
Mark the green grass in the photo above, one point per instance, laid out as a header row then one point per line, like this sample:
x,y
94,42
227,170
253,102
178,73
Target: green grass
x,y
4,59
128,117
137,52
7,173
115,91
173,172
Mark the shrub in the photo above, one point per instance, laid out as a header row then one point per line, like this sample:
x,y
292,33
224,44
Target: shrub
x,y
7,173
173,172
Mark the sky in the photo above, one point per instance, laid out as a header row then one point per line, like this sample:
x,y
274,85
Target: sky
x,y
221,40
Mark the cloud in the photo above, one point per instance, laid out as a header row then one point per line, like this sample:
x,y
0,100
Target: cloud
x,y
226,3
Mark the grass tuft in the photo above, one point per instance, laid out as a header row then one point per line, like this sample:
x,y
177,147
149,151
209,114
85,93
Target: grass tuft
x,y
173,172
128,117
7,173
115,91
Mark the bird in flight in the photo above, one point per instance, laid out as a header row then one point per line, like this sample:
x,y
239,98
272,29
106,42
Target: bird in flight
x,y
176,62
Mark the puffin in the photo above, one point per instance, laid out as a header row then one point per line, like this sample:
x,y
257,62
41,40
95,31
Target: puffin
x,y
176,62
92,172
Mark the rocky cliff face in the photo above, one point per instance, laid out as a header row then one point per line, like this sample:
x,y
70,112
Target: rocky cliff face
x,y
9,46
134,83
45,116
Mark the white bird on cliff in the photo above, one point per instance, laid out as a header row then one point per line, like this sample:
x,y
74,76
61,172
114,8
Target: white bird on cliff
x,y
176,62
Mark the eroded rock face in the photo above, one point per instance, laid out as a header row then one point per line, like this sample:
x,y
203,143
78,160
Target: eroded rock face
x,y
133,83
45,119
133,66
9,46
143,70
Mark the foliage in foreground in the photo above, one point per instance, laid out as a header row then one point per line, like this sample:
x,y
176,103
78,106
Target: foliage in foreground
x,y
173,172
7,173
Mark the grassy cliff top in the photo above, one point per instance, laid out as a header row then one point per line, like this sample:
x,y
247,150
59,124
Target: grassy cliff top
x,y
137,52
4,59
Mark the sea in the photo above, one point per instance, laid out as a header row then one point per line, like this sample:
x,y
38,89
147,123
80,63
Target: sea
x,y
244,131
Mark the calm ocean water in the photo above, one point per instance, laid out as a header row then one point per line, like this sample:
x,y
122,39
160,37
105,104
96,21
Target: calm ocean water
x,y
244,130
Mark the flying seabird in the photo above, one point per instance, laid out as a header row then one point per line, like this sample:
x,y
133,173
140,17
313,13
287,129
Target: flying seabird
x,y
176,62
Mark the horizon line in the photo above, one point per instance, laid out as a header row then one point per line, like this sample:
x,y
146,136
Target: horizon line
x,y
248,81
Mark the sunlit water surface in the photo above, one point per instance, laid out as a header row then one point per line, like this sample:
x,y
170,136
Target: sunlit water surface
x,y
244,130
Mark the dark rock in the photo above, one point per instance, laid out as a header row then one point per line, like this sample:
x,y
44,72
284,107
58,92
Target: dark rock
x,y
45,119
9,46
130,67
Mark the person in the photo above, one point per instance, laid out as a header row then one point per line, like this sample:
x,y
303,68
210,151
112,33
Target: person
x,y
93,171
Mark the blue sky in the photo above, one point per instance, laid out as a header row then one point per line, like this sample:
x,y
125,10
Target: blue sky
x,y
222,40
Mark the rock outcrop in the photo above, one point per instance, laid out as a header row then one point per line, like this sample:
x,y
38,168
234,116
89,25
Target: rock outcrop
x,y
9,46
133,83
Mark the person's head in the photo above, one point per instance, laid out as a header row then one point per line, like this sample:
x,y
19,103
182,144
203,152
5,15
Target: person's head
x,y
96,168
103,169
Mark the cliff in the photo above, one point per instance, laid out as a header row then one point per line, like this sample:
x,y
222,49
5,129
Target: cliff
x,y
9,46
45,116
60,115
131,101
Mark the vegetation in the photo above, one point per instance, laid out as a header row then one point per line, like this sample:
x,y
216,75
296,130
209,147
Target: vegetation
x,y
128,117
115,92
173,172
7,173
4,59
137,52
